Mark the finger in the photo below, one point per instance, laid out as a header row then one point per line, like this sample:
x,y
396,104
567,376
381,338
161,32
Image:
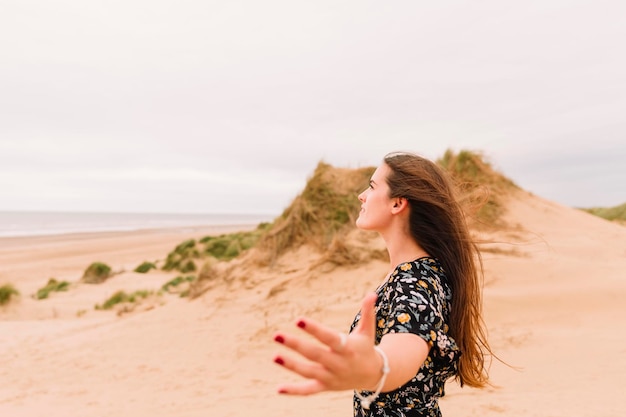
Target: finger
x,y
305,369
309,349
302,388
367,323
334,340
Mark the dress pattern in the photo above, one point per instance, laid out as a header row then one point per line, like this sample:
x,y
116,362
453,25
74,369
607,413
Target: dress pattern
x,y
415,299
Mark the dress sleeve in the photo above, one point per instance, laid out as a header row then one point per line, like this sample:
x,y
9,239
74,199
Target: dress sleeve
x,y
414,304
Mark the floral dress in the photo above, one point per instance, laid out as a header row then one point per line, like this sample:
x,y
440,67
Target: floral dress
x,y
415,299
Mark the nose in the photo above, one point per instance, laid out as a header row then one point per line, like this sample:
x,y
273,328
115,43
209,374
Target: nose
x,y
361,196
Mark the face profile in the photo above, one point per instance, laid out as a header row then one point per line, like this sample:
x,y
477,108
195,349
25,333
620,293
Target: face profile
x,y
375,202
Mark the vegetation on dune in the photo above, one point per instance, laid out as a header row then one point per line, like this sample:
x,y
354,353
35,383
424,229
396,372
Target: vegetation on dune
x,y
207,277
7,292
145,267
228,246
616,213
173,285
480,186
52,286
328,205
96,273
223,247
181,258
123,297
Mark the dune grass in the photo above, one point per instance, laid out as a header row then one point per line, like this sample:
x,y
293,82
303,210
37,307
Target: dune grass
x,y
52,286
328,205
228,246
615,213
172,286
123,297
223,247
144,267
181,258
481,188
7,293
175,282
96,273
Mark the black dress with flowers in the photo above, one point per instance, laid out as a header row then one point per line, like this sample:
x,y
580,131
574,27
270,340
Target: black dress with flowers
x,y
415,299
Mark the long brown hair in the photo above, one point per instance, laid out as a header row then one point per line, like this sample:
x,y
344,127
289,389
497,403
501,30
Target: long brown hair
x,y
437,223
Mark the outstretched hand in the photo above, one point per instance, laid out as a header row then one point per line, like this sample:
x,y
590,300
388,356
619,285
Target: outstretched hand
x,y
339,361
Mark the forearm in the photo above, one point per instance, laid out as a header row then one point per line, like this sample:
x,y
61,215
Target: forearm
x,y
405,353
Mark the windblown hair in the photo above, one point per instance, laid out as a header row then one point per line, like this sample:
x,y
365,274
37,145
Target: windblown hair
x,y
437,223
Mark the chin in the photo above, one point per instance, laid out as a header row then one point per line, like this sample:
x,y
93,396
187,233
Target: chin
x,y
361,224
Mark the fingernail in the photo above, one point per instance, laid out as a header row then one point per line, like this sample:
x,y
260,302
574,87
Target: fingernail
x,y
282,391
279,360
301,324
279,339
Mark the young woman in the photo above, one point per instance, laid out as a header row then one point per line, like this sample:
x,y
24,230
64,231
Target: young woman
x,y
423,323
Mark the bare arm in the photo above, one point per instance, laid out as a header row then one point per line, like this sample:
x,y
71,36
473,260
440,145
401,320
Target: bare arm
x,y
331,365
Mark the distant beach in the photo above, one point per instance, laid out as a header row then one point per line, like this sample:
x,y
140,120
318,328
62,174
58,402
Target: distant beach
x,y
45,223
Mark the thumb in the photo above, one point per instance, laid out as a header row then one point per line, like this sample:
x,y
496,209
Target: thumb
x,y
367,323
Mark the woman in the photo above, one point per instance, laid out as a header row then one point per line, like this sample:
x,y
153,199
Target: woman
x,y
423,323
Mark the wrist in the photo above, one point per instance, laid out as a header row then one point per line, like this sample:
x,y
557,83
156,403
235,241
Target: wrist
x,y
384,371
374,371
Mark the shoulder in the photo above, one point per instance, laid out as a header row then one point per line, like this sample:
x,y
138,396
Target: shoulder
x,y
427,269
423,276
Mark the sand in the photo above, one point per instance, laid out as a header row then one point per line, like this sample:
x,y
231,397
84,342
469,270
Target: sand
x,y
554,289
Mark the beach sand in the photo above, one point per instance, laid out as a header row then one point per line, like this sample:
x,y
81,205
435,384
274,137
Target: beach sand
x,y
555,282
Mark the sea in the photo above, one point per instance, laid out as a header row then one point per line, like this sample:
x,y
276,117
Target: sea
x,y
41,223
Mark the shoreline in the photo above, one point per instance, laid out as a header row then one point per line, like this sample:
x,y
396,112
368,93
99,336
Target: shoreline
x,y
208,229
45,223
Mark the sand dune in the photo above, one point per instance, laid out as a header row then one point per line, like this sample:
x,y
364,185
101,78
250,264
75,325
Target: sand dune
x,y
554,291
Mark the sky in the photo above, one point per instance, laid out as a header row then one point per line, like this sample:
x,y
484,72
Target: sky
x,y
193,106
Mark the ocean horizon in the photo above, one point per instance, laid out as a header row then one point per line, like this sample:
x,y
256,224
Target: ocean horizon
x,y
45,223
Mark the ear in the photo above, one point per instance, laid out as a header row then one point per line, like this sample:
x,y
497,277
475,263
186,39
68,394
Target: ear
x,y
399,205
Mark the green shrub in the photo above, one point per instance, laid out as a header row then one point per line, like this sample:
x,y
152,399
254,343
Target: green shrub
x,y
180,258
145,267
177,281
96,273
52,286
216,246
123,297
229,246
171,262
188,266
616,213
7,291
185,247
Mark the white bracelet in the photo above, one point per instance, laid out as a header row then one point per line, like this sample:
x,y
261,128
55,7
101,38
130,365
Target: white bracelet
x,y
367,400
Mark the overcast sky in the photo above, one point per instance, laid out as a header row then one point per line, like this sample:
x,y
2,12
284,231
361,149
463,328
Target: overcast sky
x,y
213,106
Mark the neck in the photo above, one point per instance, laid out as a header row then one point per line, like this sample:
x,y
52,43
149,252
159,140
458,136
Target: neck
x,y
403,250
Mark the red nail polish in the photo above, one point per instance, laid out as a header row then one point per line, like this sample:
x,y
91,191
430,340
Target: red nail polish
x,y
279,360
279,339
301,324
